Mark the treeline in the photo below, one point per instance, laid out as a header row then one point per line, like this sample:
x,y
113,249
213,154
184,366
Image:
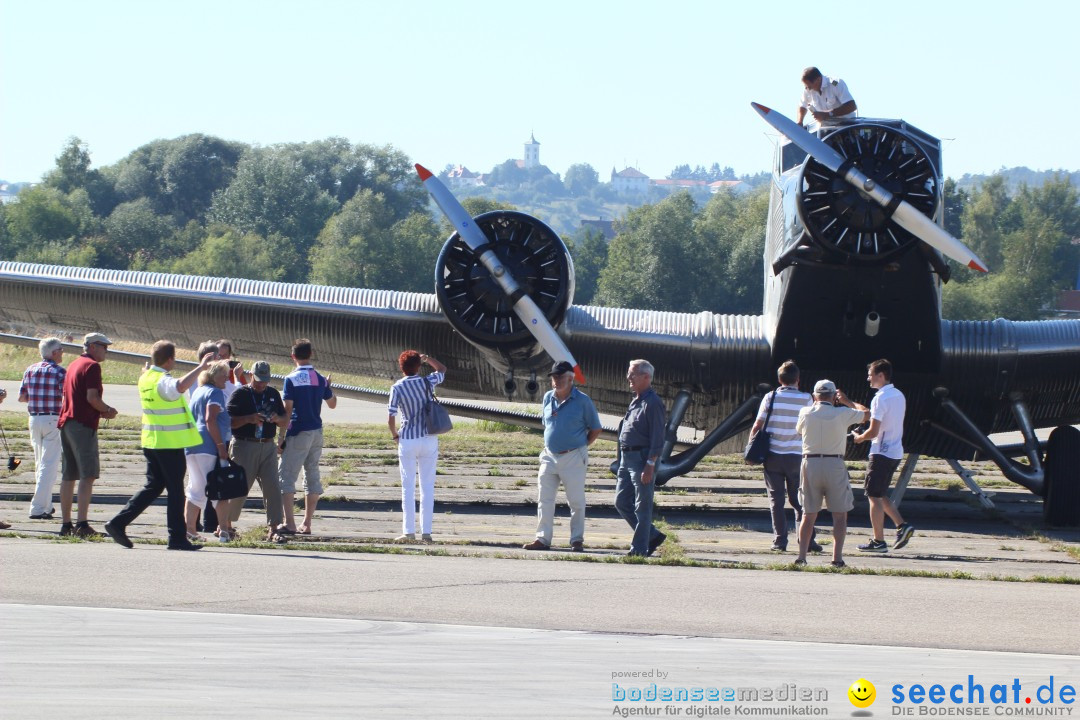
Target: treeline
x,y
334,213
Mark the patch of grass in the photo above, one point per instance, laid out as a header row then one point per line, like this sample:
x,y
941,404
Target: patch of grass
x,y
485,486
495,471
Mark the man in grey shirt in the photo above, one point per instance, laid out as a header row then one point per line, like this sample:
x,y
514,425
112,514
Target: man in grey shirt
x,y
640,440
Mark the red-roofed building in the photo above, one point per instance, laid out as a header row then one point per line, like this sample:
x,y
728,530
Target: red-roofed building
x,y
629,182
462,176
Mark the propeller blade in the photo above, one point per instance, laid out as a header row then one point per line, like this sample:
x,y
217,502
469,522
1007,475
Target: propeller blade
x,y
525,307
903,213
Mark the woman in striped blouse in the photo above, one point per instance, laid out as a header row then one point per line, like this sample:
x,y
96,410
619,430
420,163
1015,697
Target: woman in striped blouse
x,y
415,447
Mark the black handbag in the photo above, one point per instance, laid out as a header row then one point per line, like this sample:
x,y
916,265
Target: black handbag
x,y
436,416
757,448
226,481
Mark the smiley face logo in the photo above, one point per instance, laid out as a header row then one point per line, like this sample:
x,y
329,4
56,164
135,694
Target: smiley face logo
x,y
862,693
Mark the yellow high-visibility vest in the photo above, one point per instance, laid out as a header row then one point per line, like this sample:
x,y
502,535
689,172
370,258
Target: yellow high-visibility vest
x,y
166,424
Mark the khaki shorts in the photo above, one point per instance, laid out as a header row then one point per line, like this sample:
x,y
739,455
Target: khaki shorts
x,y
80,451
825,479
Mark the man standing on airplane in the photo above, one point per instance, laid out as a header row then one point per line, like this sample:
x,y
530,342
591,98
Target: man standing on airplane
x,y
886,429
777,415
823,97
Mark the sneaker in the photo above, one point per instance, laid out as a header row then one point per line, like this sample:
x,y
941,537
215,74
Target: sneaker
x,y
223,536
838,564
577,546
536,544
777,547
118,535
903,534
875,546
83,530
814,546
67,529
799,563
404,538
426,537
43,516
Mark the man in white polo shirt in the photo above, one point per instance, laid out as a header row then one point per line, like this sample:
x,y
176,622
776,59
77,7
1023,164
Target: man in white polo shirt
x,y
887,449
823,97
777,415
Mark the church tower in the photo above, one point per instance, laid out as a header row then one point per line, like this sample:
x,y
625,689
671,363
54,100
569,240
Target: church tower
x,y
532,152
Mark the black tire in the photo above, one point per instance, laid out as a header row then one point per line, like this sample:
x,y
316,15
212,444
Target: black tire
x,y
1061,503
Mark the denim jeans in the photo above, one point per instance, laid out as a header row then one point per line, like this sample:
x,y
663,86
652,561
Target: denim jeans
x,y
634,501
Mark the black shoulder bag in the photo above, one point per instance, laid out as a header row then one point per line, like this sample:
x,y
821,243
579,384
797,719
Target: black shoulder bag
x,y
757,449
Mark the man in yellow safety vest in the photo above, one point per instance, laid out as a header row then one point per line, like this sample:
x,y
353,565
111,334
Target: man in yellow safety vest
x,y
167,428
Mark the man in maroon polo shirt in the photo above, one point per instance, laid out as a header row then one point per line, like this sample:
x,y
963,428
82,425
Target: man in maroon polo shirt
x,y
80,411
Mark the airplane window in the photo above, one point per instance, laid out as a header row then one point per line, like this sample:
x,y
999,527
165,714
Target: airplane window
x,y
791,155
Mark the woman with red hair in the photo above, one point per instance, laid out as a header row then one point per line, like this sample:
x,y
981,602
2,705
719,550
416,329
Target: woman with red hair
x,y
415,447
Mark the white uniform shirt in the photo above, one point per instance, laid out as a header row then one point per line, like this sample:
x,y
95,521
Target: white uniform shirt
x,y
888,408
834,93
787,402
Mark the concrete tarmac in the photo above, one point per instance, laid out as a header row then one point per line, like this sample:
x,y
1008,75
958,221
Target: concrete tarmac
x,y
119,664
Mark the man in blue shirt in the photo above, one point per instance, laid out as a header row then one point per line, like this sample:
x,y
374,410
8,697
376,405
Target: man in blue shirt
x,y
571,424
640,440
305,391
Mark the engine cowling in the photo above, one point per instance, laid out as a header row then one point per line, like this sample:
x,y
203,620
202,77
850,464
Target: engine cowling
x,y
846,224
478,308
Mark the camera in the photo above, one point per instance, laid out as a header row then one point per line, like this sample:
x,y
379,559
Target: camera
x,y
233,363
13,462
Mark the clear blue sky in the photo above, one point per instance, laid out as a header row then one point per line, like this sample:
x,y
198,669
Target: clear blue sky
x,y
645,84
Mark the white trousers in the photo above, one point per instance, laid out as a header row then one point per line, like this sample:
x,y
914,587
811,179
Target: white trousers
x,y
45,438
422,453
570,469
199,466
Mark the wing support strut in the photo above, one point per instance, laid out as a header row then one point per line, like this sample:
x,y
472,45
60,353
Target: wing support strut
x,y
1030,476
670,466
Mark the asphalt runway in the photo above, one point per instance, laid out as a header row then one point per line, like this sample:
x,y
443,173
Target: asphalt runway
x,y
97,663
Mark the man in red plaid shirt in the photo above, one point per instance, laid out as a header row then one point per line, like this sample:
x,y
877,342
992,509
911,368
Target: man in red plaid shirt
x,y
43,389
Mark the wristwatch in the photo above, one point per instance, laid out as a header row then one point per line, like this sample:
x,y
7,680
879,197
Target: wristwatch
x,y
650,462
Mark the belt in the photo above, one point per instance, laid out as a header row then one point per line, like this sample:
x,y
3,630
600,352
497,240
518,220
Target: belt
x,y
814,455
563,452
258,440
45,414
632,448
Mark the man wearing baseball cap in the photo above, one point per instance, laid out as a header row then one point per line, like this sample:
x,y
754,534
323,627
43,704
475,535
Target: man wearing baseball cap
x,y
80,410
571,425
257,412
823,475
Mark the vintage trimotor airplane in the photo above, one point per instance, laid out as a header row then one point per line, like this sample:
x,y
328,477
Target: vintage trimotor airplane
x,y
853,272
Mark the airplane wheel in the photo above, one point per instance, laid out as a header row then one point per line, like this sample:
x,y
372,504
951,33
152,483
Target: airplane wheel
x,y
1061,505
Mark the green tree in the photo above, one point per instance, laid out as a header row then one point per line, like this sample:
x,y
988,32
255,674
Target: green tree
x,y
356,248
45,215
227,253
654,262
273,194
589,249
581,179
955,201
132,229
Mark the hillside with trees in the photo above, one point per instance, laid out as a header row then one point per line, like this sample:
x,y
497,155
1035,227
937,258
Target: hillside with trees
x,y
337,213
